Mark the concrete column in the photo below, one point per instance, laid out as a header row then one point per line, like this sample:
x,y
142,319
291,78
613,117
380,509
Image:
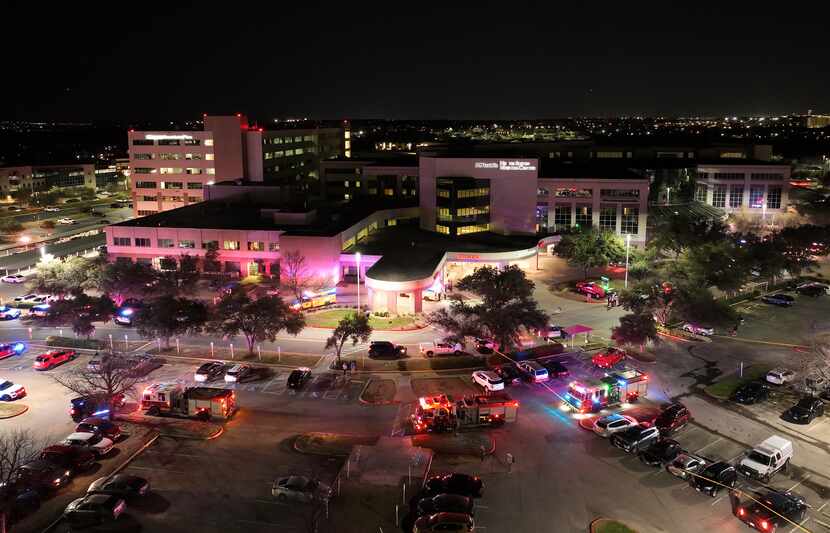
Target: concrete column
x,y
370,297
392,301
418,301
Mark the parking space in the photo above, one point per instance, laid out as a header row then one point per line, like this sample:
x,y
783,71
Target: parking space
x,y
453,386
793,325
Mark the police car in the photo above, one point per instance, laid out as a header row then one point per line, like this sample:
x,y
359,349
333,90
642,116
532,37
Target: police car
x,y
8,350
9,313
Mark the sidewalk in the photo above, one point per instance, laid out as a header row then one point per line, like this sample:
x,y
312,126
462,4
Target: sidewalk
x,y
810,456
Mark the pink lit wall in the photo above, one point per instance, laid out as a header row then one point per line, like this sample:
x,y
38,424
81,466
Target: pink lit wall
x,y
228,147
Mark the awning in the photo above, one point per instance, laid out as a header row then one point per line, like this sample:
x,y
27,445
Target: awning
x,y
578,328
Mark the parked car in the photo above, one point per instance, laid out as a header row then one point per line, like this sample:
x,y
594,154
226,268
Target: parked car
x,y
445,503
72,458
51,209
593,290
49,360
298,377
773,509
121,485
635,439
43,475
751,393
780,376
454,483
766,459
684,464
41,299
712,478
13,278
125,314
811,285
94,442
806,410
67,221
22,500
25,298
533,371
672,418
143,364
209,371
9,313
509,374
606,426
10,349
697,329
452,522
556,369
608,358
488,379
782,300
300,488
555,333
86,406
94,509
485,346
385,349
813,291
11,391
662,452
238,373
39,311
431,349
94,424
115,205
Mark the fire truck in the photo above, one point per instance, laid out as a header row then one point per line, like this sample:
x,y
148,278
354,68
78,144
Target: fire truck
x,y
443,413
613,389
174,399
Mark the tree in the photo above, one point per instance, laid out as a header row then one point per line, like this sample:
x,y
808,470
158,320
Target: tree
x,y
211,263
722,264
169,316
636,328
177,277
17,447
80,312
591,248
354,327
122,280
113,377
678,231
258,320
295,275
71,276
507,307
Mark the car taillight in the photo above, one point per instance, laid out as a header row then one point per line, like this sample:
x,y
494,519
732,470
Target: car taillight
x,y
764,525
741,511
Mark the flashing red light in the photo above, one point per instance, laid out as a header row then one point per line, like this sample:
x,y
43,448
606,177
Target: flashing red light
x,y
741,511
260,130
239,114
764,525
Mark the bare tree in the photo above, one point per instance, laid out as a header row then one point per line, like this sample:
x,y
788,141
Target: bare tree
x,y
114,376
296,276
17,447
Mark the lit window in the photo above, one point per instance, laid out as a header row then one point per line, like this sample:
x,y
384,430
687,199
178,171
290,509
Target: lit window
x,y
389,192
209,157
230,245
256,246
273,247
208,142
442,229
211,171
187,244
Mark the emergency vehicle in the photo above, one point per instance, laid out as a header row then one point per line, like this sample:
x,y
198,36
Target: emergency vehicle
x,y
177,400
443,413
615,388
313,300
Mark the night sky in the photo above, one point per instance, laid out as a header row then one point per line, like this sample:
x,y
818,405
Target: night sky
x,y
151,60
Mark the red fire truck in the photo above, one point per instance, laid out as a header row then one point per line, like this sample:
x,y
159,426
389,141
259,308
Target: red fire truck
x,y
443,413
615,388
175,399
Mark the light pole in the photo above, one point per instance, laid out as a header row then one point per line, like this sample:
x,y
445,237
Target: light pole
x,y
357,262
627,245
112,348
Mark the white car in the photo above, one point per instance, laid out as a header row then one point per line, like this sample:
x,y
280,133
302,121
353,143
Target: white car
x,y
608,425
536,372
94,442
780,376
66,220
9,313
11,391
51,209
13,278
41,299
697,329
25,298
489,380
440,348
238,373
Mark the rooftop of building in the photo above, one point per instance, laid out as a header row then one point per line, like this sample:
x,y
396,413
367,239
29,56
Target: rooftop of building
x,y
410,253
379,159
557,169
246,213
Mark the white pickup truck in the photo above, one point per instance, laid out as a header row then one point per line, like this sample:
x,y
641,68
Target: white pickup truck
x,y
766,459
430,349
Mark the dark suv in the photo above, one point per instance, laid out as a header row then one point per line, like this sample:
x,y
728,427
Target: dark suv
x,y
672,418
722,473
752,392
85,406
805,410
383,349
43,475
661,453
72,458
636,439
773,509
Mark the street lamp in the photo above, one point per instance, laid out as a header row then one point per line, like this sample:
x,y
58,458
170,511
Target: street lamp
x,y
627,245
357,262
25,239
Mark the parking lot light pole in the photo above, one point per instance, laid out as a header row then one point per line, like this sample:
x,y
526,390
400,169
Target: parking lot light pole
x,y
627,245
211,349
357,261
126,346
112,348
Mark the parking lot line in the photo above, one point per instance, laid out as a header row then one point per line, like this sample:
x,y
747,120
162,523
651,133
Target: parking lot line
x,y
157,468
802,480
711,443
719,498
798,527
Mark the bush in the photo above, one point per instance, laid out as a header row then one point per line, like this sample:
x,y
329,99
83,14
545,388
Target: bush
x,y
10,226
71,342
381,314
47,224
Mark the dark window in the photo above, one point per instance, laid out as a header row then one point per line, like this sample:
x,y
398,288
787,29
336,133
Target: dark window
x,y
121,241
142,243
142,142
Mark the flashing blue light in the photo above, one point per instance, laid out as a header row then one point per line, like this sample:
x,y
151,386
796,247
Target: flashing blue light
x,y
330,291
101,412
41,306
4,308
621,382
596,400
126,312
743,241
18,347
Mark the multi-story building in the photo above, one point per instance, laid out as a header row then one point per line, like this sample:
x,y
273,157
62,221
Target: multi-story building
x,y
752,187
169,169
386,177
38,178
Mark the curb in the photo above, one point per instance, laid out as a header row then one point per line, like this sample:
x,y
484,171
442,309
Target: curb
x,y
593,525
16,414
240,361
161,433
376,329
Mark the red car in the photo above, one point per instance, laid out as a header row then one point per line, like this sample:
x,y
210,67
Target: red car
x,y
94,424
54,358
608,358
592,289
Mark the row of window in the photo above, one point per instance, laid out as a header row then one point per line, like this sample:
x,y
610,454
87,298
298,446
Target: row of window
x,y
173,170
288,140
583,217
142,242
171,142
284,153
168,185
473,193
735,198
173,157
754,176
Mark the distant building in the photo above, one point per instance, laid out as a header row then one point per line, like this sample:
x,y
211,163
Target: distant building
x,y
39,178
816,121
754,187
385,177
169,169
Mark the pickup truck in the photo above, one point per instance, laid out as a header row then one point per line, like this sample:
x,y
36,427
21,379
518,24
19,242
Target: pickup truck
x,y
766,459
430,349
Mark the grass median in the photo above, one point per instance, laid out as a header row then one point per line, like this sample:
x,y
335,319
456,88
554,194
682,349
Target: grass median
x,y
330,317
610,526
240,355
726,387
